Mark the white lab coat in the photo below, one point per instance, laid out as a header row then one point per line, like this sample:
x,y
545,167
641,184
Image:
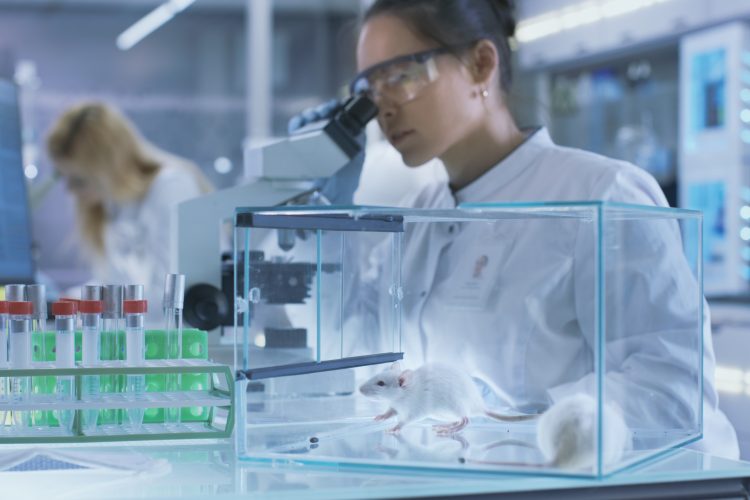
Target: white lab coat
x,y
540,301
137,234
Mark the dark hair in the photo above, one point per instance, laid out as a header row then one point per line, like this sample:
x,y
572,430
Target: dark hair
x,y
456,23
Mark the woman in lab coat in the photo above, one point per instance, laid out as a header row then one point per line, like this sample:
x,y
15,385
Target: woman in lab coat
x,y
125,191
440,74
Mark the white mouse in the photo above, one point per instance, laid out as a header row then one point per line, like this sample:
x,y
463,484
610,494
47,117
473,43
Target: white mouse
x,y
433,390
566,433
567,439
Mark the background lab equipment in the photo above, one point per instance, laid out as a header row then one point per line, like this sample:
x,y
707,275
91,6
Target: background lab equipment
x,y
16,260
714,150
286,172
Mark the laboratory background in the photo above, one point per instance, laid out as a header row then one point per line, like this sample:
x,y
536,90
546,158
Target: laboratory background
x,y
217,88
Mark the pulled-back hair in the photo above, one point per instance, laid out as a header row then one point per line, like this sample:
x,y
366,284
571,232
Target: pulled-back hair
x,y
456,23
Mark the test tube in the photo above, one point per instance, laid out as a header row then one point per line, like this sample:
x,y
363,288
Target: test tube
x,y
15,293
135,354
91,292
36,294
174,292
65,324
133,292
4,341
91,311
20,356
110,348
112,296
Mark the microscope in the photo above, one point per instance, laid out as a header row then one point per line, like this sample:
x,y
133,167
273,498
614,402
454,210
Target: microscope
x,y
284,172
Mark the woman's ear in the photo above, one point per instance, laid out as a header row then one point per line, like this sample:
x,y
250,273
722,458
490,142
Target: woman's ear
x,y
483,63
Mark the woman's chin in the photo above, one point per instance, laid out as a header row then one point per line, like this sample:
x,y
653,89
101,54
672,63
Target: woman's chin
x,y
413,159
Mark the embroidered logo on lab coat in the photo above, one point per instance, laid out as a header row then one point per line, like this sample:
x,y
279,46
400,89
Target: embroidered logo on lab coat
x,y
479,266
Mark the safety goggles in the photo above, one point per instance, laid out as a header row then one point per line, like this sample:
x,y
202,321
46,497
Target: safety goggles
x,y
400,79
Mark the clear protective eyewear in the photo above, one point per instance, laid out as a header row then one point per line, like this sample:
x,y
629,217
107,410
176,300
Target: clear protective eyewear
x,y
400,79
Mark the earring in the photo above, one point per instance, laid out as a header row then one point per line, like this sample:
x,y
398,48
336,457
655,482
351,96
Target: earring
x,y
485,93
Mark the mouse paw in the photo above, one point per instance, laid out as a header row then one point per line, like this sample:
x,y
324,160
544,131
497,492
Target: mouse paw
x,y
394,430
443,432
385,416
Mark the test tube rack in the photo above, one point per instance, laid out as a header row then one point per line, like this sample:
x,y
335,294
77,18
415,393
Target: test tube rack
x,y
206,398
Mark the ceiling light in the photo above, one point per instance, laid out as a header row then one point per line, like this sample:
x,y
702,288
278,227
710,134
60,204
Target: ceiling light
x,y
151,22
580,14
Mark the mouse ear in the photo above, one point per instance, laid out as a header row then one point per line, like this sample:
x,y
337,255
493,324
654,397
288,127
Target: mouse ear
x,y
405,378
396,366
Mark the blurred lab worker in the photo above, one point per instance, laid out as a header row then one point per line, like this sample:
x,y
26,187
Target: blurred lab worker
x,y
440,74
125,190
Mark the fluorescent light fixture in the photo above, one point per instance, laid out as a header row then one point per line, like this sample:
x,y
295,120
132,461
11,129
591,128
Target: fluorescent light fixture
x,y
729,387
581,14
730,380
615,8
729,374
151,22
539,29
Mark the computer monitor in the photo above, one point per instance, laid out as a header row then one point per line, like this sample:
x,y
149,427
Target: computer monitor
x,y
16,263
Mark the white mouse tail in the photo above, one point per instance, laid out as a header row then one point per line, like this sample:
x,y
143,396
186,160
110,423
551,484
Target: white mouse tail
x,y
508,418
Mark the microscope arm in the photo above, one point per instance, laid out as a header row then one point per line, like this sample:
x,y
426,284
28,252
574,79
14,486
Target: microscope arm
x,y
196,244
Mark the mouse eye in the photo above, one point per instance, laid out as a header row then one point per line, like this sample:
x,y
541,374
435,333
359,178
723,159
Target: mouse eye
x,y
381,383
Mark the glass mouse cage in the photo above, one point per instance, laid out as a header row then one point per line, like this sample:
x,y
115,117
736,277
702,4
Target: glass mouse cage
x,y
551,338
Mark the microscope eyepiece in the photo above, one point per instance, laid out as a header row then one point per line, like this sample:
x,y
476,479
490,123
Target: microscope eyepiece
x,y
356,113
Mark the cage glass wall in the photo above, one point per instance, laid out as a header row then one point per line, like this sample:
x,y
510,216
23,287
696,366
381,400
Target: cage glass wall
x,y
559,338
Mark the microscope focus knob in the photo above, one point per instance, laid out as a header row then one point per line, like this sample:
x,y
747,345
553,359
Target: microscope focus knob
x,y
206,307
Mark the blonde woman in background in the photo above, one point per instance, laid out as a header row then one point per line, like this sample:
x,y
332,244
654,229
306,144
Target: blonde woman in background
x,y
126,190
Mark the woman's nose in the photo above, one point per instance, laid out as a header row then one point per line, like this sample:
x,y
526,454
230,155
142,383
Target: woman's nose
x,y
386,107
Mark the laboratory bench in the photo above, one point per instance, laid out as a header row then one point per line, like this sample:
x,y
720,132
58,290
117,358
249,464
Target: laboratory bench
x,y
199,471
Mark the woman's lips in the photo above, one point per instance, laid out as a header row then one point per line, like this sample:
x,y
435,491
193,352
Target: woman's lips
x,y
400,136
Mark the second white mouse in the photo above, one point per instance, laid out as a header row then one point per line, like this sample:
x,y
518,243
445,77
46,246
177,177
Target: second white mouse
x,y
567,436
567,433
432,391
